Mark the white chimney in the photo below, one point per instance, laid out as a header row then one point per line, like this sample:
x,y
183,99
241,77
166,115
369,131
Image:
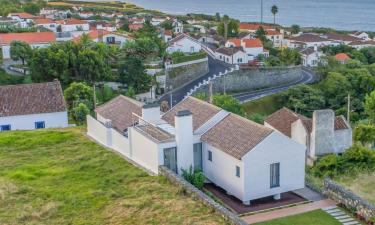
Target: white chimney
x,y
315,48
322,134
184,139
151,112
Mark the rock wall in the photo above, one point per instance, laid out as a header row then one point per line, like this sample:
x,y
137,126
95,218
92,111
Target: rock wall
x,y
196,193
178,76
249,79
349,200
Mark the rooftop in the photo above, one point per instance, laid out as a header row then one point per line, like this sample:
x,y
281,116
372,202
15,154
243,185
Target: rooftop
x,y
25,99
229,51
308,38
28,37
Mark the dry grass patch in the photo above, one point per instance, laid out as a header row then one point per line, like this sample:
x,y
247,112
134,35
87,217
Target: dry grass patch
x,y
363,185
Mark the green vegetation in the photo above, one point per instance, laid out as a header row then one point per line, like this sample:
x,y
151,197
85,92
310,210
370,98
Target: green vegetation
x,y
228,27
194,177
179,57
11,6
263,106
6,79
61,177
316,217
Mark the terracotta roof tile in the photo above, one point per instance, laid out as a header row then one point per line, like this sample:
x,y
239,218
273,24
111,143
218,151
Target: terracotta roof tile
x,y
229,51
25,99
282,120
236,135
43,21
28,37
308,38
253,43
342,57
235,41
120,111
252,26
201,110
23,15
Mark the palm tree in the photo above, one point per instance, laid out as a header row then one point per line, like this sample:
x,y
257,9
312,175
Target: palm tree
x,y
274,11
226,21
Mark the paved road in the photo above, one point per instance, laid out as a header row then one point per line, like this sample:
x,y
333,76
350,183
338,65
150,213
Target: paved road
x,y
307,77
177,95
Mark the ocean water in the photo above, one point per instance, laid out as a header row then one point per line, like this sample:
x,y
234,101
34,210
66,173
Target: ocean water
x,y
338,14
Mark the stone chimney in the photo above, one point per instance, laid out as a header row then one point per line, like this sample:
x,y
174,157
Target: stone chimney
x,y
322,135
151,112
184,139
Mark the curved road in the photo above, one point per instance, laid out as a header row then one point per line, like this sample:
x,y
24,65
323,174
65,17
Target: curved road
x,y
215,67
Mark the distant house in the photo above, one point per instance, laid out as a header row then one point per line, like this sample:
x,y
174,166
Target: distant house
x,y
232,55
183,43
252,47
337,39
361,35
311,56
167,35
46,23
307,40
70,25
253,27
136,20
323,134
342,57
248,160
275,36
86,14
135,27
106,37
32,106
362,44
156,21
178,27
23,19
34,39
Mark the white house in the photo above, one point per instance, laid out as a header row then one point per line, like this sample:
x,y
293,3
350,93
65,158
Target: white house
x,y
252,47
183,43
361,35
156,21
338,39
73,24
323,134
248,160
32,106
23,19
178,27
86,14
34,39
46,23
232,55
307,40
275,36
362,44
311,56
106,37
167,35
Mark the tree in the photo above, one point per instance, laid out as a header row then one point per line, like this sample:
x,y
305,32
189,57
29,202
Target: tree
x,y
365,134
132,73
290,57
20,50
225,22
217,17
31,8
295,29
168,25
228,103
370,106
335,88
274,11
261,34
232,28
80,112
79,93
369,53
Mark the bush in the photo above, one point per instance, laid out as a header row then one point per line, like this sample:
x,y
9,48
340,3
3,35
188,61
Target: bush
x,y
329,165
196,178
80,112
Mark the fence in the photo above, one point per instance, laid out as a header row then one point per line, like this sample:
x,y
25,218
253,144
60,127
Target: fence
x,y
171,66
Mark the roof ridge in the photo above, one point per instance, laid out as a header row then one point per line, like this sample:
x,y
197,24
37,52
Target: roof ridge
x,y
252,122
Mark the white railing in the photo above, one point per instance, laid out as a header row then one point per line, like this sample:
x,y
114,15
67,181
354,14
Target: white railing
x,y
209,79
208,50
171,66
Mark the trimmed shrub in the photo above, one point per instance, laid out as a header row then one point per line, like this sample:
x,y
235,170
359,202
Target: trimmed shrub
x,y
196,178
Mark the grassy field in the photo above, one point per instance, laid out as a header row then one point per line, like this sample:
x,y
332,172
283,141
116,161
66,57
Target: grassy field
x,y
316,217
264,106
61,177
362,184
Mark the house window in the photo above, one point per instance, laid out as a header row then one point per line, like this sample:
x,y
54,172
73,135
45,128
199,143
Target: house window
x,y
192,49
209,155
110,40
221,56
275,175
39,125
239,60
237,171
5,127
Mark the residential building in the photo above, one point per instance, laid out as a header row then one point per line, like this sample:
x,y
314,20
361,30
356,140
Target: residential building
x,y
252,47
136,20
307,40
362,44
248,160
361,35
342,57
46,23
32,106
106,37
135,27
156,21
253,27
232,55
70,25
311,56
178,27
167,35
34,39
23,19
340,39
86,14
183,43
275,36
323,134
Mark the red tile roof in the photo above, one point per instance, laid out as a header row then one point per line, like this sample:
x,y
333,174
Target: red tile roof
x,y
168,32
272,32
25,99
135,27
282,120
253,43
71,21
43,21
201,110
23,15
28,37
342,57
120,111
235,41
236,135
252,26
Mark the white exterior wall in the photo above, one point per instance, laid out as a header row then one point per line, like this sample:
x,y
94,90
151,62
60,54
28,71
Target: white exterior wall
x,y
120,143
50,26
74,27
343,140
184,139
254,51
185,45
27,122
233,59
6,49
98,131
276,148
299,133
222,171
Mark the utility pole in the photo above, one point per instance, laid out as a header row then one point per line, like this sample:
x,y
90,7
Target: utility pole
x,y
261,11
94,95
210,91
348,115
170,100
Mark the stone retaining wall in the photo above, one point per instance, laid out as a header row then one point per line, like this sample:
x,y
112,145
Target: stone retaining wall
x,y
179,76
250,78
349,200
196,193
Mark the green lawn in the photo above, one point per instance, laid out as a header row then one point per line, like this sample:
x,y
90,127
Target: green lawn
x,y
61,177
316,217
263,106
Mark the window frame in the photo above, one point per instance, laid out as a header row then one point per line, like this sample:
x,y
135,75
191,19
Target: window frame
x,y
275,175
5,125
238,171
40,122
209,155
